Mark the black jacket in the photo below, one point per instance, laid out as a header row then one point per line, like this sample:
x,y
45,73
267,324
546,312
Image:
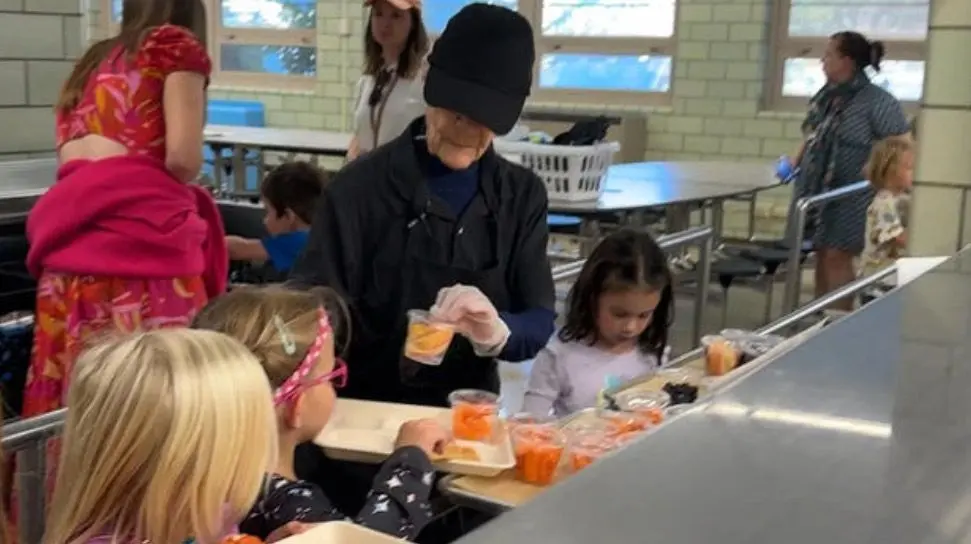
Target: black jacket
x,y
388,245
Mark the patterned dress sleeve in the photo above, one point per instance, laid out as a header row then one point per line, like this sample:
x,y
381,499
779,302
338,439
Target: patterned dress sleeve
x,y
171,49
884,220
398,501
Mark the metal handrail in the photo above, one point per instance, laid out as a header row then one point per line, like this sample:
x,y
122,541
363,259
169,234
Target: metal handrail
x,y
807,310
790,299
825,301
28,440
700,236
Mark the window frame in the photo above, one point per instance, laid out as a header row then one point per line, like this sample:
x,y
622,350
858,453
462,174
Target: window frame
x,y
784,47
219,35
532,10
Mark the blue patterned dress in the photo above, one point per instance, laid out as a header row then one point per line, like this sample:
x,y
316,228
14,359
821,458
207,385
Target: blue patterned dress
x,y
837,158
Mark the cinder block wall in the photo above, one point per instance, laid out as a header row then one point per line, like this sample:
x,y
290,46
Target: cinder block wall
x,y
715,112
39,40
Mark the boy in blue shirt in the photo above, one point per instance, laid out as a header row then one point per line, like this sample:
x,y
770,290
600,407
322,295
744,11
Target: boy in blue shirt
x,y
289,193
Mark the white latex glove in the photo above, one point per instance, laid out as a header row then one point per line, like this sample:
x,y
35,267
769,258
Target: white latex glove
x,y
473,316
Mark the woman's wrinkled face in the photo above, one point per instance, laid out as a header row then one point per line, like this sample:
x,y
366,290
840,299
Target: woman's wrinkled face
x,y
456,140
836,66
390,26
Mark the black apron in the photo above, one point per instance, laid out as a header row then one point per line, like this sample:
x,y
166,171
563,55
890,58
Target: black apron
x,y
437,250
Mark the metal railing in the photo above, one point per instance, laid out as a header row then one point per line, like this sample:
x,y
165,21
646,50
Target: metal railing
x,y
790,299
27,439
808,310
697,236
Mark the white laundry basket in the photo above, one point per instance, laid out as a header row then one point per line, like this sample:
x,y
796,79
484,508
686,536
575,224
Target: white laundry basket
x,y
572,173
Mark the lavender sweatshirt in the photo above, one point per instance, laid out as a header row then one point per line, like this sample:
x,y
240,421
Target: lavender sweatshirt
x,y
568,377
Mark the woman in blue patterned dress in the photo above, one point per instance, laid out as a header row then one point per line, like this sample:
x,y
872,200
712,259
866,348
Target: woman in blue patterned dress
x,y
846,117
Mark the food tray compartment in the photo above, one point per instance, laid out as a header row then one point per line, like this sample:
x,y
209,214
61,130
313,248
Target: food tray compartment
x,y
340,532
364,431
692,373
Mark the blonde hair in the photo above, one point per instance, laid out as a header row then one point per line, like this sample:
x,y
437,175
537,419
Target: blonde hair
x,y
169,434
885,158
256,315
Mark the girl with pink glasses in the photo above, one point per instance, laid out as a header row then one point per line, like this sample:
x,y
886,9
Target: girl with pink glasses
x,y
293,336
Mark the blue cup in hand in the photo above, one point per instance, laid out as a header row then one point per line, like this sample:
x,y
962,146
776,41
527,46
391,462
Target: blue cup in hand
x,y
784,170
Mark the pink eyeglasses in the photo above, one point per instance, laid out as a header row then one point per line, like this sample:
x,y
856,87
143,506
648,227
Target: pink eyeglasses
x,y
297,382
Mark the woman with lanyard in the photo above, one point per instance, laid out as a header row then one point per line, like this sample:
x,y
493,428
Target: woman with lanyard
x,y
389,94
846,117
437,218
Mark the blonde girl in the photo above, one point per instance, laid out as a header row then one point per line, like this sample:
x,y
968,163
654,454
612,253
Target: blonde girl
x,y
292,334
167,438
891,172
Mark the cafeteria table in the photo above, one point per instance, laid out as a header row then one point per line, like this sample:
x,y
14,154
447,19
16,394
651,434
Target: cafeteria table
x,y
633,189
859,435
242,140
21,184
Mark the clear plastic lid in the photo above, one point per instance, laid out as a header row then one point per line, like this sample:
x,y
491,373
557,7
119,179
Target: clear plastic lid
x,y
473,396
682,375
636,401
756,345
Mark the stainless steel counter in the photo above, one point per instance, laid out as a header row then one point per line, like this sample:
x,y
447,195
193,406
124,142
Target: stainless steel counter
x,y
860,435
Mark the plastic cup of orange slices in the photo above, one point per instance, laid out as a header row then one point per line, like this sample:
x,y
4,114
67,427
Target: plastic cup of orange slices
x,y
475,414
427,339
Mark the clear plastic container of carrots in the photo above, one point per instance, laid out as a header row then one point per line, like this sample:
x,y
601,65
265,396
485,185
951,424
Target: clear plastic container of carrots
x,y
618,424
539,448
650,404
475,414
587,446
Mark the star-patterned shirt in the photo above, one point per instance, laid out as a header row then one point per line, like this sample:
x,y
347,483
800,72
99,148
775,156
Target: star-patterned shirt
x,y
396,505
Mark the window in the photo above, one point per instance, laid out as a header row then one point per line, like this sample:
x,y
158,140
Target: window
x,y
801,32
258,42
599,50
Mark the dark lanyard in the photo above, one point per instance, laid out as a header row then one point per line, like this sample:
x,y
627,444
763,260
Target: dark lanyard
x,y
378,100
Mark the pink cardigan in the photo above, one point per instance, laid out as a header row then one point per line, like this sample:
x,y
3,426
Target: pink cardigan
x,y
127,217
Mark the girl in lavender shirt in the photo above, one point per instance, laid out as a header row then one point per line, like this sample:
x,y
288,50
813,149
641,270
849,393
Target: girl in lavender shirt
x,y
620,309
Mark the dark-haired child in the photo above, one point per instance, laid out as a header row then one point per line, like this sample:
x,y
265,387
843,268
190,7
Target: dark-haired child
x,y
289,193
618,315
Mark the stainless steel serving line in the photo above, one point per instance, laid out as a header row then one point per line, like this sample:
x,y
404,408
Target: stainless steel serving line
x,y
860,435
696,236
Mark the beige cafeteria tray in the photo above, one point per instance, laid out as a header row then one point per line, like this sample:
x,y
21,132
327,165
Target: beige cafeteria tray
x,y
364,431
340,532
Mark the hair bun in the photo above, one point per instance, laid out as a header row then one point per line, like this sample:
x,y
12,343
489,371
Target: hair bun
x,y
877,50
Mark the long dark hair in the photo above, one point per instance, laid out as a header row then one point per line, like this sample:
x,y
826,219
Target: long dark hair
x,y
627,259
138,17
863,52
412,55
